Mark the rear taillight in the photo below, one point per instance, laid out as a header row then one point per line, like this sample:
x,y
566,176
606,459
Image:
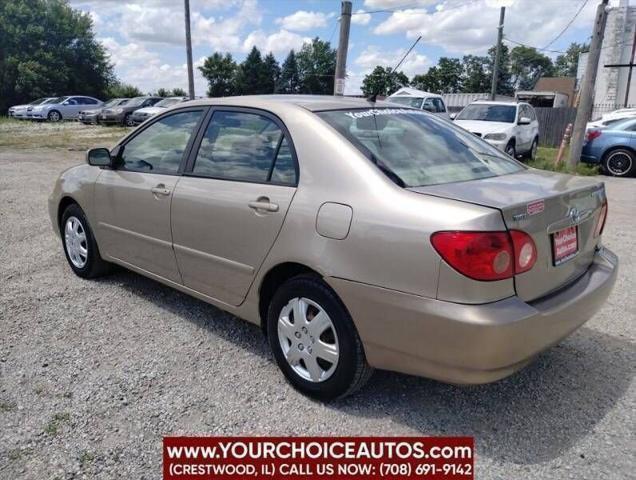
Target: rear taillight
x,y
525,251
592,134
486,256
600,223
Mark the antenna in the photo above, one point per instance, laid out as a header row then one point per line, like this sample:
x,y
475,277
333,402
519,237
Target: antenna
x,y
373,97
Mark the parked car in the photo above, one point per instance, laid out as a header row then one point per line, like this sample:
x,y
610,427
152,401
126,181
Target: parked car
x,y
122,115
63,108
610,118
20,111
89,116
431,102
613,148
29,110
143,114
357,235
510,126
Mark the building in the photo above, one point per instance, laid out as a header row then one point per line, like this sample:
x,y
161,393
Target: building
x,y
551,92
612,88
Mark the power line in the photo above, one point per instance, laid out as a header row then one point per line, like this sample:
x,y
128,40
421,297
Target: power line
x,y
568,24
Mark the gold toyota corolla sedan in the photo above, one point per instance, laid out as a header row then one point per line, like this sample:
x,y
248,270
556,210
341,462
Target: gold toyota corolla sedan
x,y
358,235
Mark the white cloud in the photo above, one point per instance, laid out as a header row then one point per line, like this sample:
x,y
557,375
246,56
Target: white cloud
x,y
359,18
463,28
392,4
225,33
278,43
372,56
302,20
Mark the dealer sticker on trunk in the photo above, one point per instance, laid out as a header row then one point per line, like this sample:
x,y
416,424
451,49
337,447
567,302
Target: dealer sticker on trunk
x,y
565,245
535,207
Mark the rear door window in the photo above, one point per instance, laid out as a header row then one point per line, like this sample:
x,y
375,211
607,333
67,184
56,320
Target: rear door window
x,y
415,149
245,147
435,105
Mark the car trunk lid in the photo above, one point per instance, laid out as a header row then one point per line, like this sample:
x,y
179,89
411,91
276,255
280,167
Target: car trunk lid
x,y
550,208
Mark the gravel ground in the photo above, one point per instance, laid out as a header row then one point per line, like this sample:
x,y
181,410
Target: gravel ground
x,y
94,373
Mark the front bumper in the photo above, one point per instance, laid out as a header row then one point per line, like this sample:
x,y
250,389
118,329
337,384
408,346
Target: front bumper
x,y
110,118
138,120
470,344
500,144
87,118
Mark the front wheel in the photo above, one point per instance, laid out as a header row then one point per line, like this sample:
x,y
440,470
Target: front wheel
x,y
314,340
54,116
79,244
510,150
128,121
619,163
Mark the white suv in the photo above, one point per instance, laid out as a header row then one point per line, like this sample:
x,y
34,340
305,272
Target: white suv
x,y
509,126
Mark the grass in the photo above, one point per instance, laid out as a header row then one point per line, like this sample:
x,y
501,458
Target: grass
x,y
546,160
24,134
56,422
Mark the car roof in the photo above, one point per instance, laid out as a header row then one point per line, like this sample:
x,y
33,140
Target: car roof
x,y
499,102
413,93
312,103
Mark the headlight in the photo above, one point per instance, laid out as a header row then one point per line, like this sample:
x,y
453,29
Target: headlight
x,y
495,136
118,110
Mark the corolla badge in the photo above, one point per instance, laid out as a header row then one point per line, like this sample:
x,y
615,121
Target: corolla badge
x,y
574,214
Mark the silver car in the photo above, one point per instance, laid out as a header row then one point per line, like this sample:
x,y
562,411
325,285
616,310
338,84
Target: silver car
x,y
357,235
20,111
63,108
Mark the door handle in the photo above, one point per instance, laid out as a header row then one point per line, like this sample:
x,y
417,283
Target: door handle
x,y
160,190
264,205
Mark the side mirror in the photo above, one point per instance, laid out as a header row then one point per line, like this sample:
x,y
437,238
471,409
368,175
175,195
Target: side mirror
x,y
524,121
99,157
452,116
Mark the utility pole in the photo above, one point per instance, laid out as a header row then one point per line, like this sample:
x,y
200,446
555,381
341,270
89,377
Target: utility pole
x,y
586,92
189,49
495,67
343,46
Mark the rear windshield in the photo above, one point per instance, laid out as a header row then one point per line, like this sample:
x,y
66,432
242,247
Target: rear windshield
x,y
415,148
409,101
167,102
489,113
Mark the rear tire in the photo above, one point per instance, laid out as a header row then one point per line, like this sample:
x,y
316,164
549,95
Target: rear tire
x,y
325,361
79,244
619,162
532,153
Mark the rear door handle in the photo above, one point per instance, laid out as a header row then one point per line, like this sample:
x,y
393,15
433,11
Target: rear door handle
x,y
160,190
264,205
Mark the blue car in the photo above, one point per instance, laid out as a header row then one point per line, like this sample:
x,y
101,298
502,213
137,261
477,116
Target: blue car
x,y
613,148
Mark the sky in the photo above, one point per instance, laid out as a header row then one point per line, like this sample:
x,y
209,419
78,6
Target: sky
x,y
146,40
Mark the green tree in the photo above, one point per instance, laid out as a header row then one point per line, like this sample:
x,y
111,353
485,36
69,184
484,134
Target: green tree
x,y
475,77
527,65
271,73
450,75
48,48
179,92
429,81
504,81
316,67
220,71
289,81
567,64
162,92
123,90
249,79
381,81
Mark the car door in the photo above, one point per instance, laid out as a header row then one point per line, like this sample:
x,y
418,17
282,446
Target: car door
x,y
229,206
71,108
133,201
525,131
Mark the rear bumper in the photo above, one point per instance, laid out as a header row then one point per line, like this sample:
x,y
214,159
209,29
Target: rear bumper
x,y
470,344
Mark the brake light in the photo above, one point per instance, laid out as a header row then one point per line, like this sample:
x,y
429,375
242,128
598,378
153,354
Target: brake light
x,y
592,134
525,251
600,223
486,256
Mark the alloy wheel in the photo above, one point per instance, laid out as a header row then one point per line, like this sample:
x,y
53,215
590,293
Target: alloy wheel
x,y
54,117
75,241
308,339
619,163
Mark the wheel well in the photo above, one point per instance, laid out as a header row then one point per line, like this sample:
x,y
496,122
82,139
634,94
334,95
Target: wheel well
x,y
64,204
272,280
513,141
55,110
